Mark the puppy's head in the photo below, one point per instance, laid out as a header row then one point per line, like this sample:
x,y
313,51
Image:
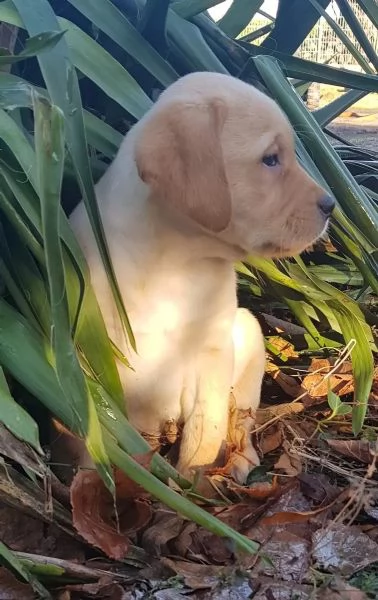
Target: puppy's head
x,y
222,153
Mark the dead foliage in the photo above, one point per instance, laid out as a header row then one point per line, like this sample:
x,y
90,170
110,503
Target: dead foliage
x,y
312,505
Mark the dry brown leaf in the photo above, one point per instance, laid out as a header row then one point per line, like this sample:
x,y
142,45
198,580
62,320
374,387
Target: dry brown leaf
x,y
259,490
104,589
317,385
360,450
343,549
287,383
318,487
12,589
288,463
339,589
195,576
289,554
165,527
273,590
287,517
270,439
93,509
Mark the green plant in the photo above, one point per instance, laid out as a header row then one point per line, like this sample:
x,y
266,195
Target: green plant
x,y
47,288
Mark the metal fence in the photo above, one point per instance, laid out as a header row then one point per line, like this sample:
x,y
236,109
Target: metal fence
x,y
323,45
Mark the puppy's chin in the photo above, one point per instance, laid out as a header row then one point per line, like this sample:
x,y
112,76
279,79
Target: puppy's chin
x,y
295,247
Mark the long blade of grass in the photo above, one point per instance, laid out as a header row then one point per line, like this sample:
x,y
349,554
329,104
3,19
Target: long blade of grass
x,y
15,418
238,16
328,113
106,16
190,8
33,46
299,68
15,563
63,87
23,209
181,505
49,139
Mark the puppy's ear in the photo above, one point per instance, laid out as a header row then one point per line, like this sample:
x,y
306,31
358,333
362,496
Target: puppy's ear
x,y
179,155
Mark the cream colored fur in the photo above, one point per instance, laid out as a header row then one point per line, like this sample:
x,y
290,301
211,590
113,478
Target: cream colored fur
x,y
186,196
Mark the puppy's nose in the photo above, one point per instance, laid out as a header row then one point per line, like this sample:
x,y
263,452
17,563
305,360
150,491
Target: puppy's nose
x,y
326,205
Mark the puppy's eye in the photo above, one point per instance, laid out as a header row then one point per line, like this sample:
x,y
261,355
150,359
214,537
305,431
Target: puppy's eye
x,y
271,160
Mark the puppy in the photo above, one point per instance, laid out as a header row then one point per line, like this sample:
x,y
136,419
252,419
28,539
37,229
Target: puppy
x,y
208,176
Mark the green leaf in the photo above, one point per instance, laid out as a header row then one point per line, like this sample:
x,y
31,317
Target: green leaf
x,y
299,68
238,16
190,8
33,46
49,140
328,113
333,401
97,64
12,561
15,418
106,16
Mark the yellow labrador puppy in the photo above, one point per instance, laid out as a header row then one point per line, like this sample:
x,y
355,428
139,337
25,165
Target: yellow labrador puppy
x,y
208,176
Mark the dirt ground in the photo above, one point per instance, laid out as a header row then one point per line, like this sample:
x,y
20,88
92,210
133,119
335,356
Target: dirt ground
x,y
359,124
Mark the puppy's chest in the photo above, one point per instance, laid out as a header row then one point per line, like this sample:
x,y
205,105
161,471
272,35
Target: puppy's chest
x,y
183,307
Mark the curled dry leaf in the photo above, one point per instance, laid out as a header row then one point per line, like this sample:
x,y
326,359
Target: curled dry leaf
x,y
94,514
271,439
317,384
287,383
197,576
343,549
258,490
104,589
289,462
360,450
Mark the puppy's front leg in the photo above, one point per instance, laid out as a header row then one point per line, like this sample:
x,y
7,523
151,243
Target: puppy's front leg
x,y
205,430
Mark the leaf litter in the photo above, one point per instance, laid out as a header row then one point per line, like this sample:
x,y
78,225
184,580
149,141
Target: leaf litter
x,y
312,505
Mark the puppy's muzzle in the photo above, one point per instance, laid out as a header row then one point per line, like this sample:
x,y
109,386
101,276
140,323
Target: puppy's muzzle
x,y
326,205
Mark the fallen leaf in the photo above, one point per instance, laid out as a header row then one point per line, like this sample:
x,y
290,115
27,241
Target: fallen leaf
x,y
273,590
360,450
318,487
238,589
94,515
288,462
271,439
195,576
317,385
11,588
339,589
104,589
166,526
259,490
287,517
289,555
343,549
287,383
